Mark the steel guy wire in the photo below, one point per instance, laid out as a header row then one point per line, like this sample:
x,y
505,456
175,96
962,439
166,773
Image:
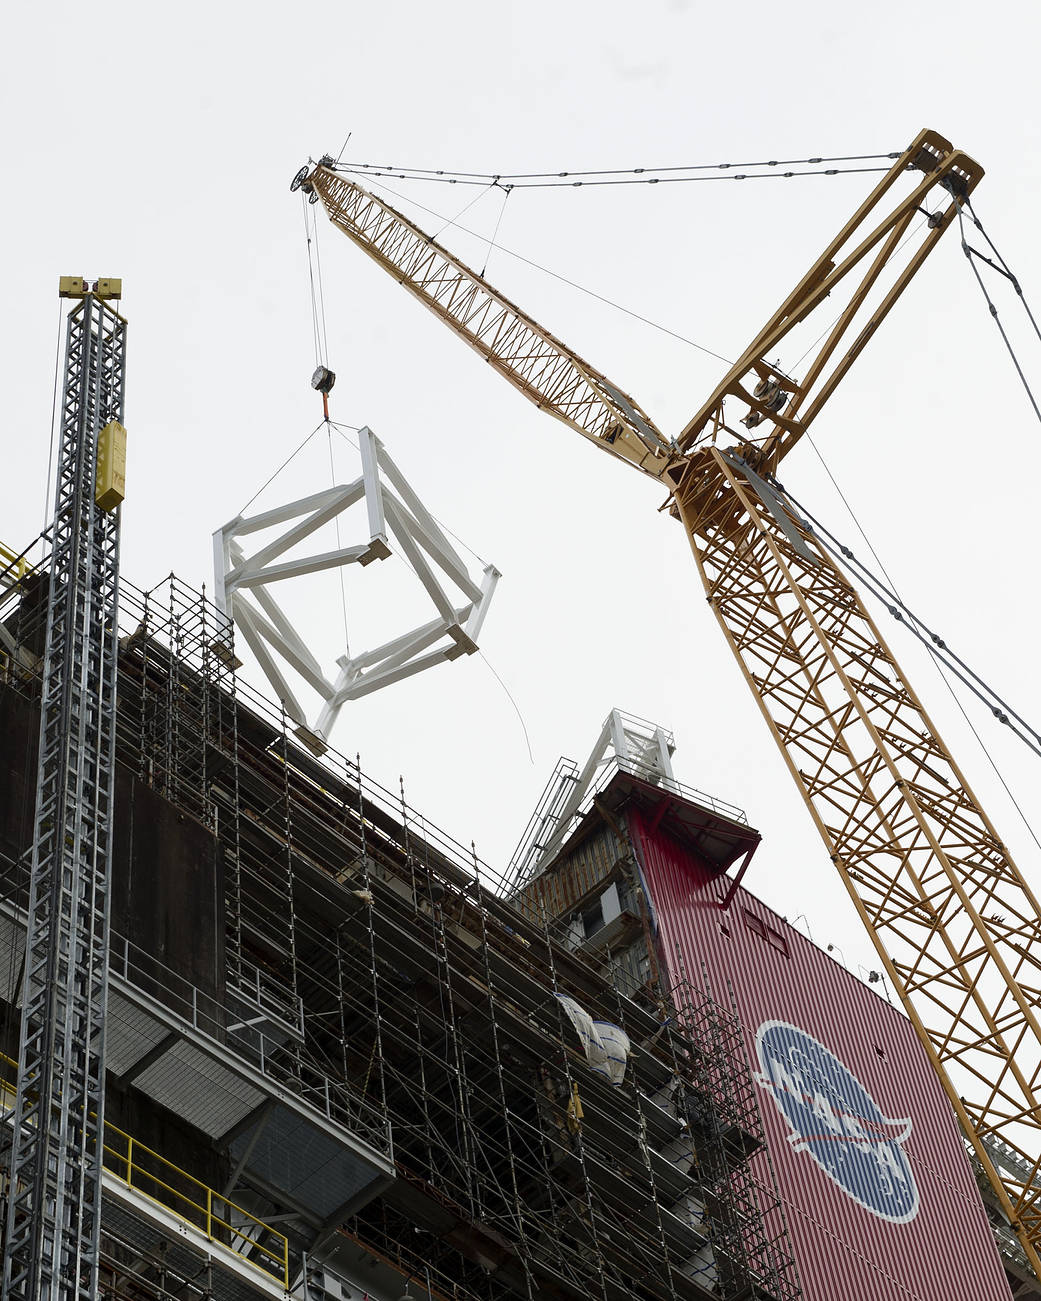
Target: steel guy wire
x,y
1004,267
972,255
941,654
491,243
564,280
637,180
54,422
451,221
1000,708
634,175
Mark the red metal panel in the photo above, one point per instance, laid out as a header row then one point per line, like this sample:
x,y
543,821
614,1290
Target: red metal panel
x,y
935,1245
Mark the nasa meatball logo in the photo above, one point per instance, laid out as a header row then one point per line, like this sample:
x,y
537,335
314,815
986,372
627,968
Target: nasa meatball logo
x,y
833,1118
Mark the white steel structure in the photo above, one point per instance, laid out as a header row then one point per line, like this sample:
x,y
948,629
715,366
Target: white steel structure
x,y
625,743
243,588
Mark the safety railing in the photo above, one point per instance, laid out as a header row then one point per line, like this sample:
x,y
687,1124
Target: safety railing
x,y
190,1200
14,566
197,1204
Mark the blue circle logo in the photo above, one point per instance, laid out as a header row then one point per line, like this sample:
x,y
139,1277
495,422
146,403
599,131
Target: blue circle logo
x,y
833,1118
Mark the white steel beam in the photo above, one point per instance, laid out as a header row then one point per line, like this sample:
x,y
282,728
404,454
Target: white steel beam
x,y
393,509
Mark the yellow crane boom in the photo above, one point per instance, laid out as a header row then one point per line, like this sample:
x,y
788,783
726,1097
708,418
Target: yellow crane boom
x,y
956,926
529,357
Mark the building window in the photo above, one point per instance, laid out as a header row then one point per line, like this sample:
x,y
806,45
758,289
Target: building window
x,y
593,920
770,934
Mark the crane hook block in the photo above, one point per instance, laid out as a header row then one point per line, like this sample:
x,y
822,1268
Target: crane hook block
x,y
323,379
111,476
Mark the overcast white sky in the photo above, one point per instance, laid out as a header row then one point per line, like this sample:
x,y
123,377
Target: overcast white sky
x,y
158,144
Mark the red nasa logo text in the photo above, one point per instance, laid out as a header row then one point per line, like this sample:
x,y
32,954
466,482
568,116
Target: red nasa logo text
x,y
833,1118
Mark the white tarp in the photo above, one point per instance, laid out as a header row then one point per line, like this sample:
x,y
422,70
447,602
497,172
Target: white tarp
x,y
606,1045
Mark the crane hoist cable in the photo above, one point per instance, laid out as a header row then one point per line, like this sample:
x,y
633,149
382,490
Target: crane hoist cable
x,y
995,705
315,338
884,592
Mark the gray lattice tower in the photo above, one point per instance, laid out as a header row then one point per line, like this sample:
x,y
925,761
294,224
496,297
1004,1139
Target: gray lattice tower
x,y
54,1207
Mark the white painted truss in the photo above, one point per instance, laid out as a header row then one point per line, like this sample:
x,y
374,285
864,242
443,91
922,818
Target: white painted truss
x,y
625,742
243,584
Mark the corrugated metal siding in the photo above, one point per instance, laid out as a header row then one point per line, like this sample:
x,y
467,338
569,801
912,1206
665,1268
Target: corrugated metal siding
x,y
945,1252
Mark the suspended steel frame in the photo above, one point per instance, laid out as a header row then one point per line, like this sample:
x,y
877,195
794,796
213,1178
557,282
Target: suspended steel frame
x,y
54,1204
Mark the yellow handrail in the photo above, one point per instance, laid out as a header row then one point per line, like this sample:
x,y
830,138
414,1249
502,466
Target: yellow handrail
x,y
16,566
132,1159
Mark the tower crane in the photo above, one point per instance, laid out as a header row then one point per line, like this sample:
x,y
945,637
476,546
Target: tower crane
x,y
956,926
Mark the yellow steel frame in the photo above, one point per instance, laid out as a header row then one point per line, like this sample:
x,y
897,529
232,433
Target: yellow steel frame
x,y
859,262
15,567
955,925
529,357
154,1177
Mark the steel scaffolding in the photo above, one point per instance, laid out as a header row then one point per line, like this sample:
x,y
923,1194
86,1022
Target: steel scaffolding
x,y
375,969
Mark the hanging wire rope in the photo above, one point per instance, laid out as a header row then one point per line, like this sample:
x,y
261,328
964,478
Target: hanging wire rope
x,y
509,696
973,256
564,280
320,308
268,482
506,189
315,330
947,662
339,544
623,176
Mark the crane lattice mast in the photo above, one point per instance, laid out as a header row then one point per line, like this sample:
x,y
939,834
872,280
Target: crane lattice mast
x,y
54,1204
955,924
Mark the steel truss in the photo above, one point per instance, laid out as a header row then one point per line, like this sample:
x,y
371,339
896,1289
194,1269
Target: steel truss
x,y
54,1205
243,582
954,923
556,379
